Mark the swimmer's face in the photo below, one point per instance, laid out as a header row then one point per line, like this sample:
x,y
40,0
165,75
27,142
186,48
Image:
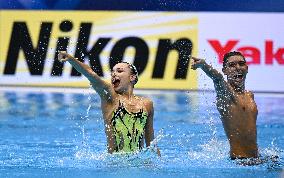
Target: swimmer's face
x,y
121,77
236,70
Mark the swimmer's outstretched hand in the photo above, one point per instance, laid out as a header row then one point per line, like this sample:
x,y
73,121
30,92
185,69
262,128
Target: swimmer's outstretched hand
x,y
63,56
197,63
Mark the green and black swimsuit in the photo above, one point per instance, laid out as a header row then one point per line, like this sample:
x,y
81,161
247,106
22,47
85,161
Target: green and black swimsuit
x,y
128,129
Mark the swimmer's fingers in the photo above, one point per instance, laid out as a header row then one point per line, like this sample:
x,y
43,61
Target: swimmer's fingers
x,y
193,64
63,56
193,67
196,63
198,60
195,59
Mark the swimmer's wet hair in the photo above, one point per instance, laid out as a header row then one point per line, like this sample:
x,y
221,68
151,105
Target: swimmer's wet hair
x,y
133,71
229,54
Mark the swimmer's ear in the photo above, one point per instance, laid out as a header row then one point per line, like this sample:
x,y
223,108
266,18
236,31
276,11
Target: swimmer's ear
x,y
132,78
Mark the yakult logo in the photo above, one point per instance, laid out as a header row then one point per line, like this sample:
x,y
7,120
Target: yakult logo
x,y
270,53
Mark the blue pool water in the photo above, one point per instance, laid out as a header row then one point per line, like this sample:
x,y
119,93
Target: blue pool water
x,y
60,134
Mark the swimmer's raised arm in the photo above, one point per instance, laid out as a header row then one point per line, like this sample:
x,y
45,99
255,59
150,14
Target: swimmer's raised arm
x,y
208,69
220,84
103,88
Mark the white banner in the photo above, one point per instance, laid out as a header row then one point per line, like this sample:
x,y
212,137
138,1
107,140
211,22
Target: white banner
x,y
259,36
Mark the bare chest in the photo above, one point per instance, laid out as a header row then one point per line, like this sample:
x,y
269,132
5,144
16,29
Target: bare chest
x,y
242,106
245,104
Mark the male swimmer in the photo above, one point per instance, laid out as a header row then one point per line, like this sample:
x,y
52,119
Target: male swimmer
x,y
236,105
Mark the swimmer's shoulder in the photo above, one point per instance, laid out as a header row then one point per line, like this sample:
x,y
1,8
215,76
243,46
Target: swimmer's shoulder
x,y
147,103
145,100
250,94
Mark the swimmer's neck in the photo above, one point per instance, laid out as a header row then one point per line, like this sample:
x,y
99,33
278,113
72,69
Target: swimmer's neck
x,y
126,95
239,89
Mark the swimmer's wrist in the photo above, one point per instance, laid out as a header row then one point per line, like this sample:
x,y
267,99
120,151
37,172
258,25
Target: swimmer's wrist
x,y
71,58
204,64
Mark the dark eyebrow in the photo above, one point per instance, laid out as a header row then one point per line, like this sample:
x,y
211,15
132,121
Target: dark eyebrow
x,y
236,61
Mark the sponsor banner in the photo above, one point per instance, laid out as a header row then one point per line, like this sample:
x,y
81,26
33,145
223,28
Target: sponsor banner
x,y
158,43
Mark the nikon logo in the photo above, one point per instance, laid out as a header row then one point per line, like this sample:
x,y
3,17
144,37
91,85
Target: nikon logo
x,y
35,52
